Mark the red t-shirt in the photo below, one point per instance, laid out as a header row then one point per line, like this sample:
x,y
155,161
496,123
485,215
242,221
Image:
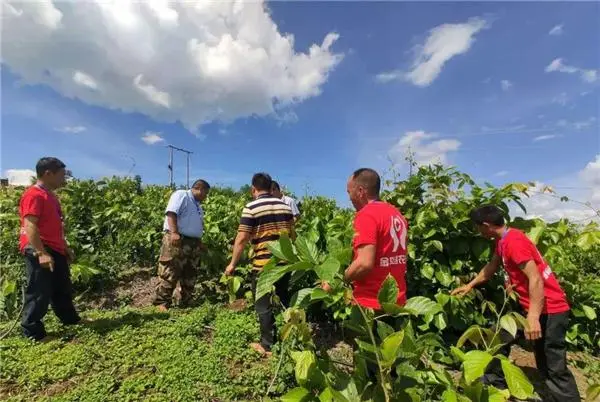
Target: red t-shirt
x,y
515,248
382,225
43,204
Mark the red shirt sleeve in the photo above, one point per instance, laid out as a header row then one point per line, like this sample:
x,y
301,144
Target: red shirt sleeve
x,y
32,205
520,251
365,228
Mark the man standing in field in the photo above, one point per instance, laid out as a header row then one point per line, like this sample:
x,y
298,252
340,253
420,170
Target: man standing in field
x,y
181,246
45,250
289,201
263,220
540,295
379,241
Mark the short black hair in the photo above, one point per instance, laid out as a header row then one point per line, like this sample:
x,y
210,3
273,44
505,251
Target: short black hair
x,y
369,179
262,181
275,186
201,184
48,163
487,214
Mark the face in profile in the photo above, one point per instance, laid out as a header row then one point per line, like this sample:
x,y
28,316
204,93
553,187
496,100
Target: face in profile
x,y
56,179
356,194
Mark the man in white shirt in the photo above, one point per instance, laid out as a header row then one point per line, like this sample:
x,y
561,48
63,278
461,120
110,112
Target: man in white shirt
x,y
181,246
276,192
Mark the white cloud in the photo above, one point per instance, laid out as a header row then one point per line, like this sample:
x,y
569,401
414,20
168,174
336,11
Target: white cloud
x,y
585,74
443,43
506,85
71,129
502,173
544,137
556,30
424,149
19,177
582,190
193,62
81,78
152,138
591,176
577,125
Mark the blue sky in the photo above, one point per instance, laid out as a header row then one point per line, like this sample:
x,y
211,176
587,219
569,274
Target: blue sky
x,y
505,91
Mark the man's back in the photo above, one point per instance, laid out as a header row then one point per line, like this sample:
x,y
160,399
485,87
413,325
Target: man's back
x,y
266,218
382,225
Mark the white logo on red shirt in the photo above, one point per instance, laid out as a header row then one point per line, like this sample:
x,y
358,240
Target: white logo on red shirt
x,y
398,233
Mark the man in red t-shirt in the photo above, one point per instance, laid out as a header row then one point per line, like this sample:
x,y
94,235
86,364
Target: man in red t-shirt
x,y
540,295
379,241
45,250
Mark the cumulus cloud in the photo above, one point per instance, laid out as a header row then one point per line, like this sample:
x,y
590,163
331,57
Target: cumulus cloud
x,y
557,65
556,30
506,85
152,138
423,147
581,188
19,177
443,43
193,62
71,129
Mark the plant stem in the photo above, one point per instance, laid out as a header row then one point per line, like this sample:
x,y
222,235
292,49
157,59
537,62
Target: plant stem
x,y
383,385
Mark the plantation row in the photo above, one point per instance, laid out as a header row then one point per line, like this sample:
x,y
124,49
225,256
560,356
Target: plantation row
x,y
116,224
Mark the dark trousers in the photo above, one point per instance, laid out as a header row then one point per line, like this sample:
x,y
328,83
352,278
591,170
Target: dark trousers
x,y
46,287
264,309
551,359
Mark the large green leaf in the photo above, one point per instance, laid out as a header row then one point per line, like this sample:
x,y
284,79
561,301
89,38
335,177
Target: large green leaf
x,y
271,274
451,395
508,323
589,312
518,384
384,330
283,249
427,271
327,270
306,361
476,361
390,347
497,395
318,294
287,248
388,293
420,305
301,297
299,394
307,251
475,334
587,240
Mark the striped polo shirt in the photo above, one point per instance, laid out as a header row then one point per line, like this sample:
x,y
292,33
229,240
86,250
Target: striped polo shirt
x,y
266,218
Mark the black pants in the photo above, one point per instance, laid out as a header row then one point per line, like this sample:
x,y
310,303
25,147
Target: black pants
x,y
551,359
264,309
43,288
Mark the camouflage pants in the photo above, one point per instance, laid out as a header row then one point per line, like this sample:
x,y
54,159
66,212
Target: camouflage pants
x,y
177,266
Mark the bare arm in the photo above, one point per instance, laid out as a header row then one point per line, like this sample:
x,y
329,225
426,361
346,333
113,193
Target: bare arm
x,y
536,299
33,236
33,233
241,240
483,276
362,264
172,222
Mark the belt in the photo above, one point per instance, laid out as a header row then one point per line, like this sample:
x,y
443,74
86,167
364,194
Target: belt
x,y
184,236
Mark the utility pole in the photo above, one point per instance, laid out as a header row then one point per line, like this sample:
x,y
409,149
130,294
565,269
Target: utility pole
x,y
171,149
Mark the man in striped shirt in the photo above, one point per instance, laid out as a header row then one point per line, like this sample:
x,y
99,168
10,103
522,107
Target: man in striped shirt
x,y
263,220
